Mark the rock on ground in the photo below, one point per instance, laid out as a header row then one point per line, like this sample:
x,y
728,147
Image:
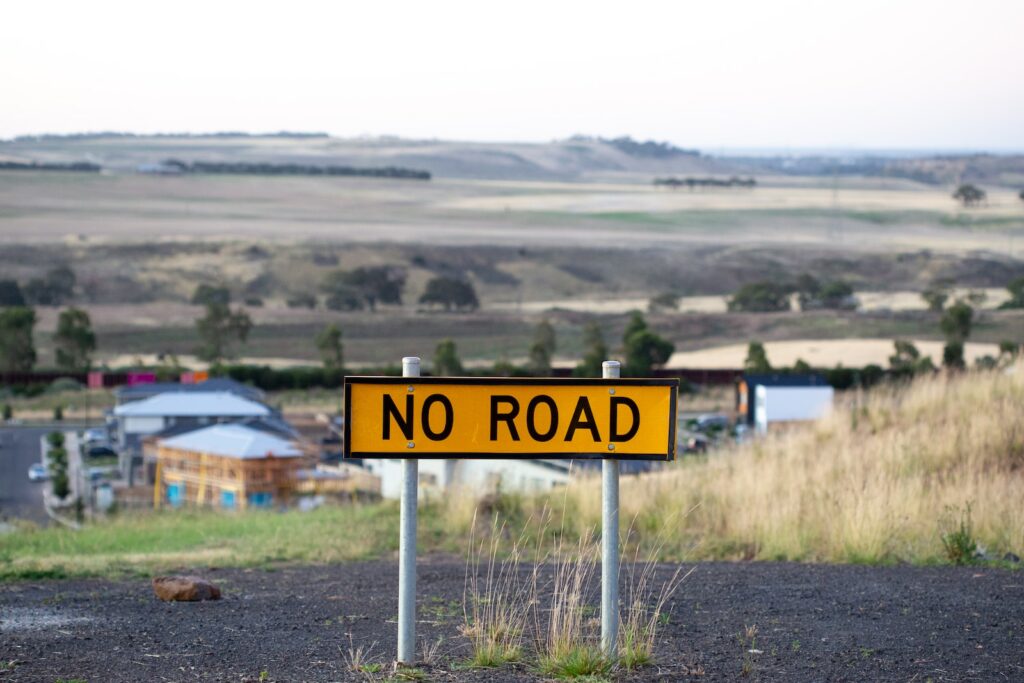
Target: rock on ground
x,y
184,589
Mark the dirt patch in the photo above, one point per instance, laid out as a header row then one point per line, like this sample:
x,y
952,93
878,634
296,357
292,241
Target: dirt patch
x,y
814,623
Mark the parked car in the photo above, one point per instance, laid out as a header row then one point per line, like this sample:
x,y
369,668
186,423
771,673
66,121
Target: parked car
x,y
95,435
100,452
37,473
691,442
712,422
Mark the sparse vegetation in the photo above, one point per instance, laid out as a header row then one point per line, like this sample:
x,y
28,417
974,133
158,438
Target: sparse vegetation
x,y
757,358
957,533
643,348
54,289
74,341
364,287
220,331
17,349
209,294
1016,290
761,297
969,195
446,359
666,301
595,352
542,349
328,343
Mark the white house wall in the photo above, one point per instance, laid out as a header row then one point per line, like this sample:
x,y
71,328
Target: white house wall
x,y
143,425
783,404
481,476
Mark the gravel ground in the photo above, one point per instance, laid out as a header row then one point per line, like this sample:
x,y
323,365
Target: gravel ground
x,y
814,623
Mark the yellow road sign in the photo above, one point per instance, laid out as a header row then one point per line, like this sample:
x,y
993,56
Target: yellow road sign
x,y
470,417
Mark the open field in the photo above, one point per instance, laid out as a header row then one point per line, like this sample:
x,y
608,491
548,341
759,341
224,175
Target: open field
x,y
41,206
582,235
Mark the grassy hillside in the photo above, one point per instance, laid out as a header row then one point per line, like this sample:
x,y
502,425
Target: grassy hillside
x,y
882,480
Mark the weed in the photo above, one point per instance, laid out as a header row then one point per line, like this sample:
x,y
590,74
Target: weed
x,y
264,676
430,651
358,659
496,607
645,606
406,673
576,662
957,534
748,642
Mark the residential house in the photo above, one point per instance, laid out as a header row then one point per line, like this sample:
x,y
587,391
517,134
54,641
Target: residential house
x,y
227,466
177,412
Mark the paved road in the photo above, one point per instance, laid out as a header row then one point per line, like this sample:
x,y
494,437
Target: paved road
x,y
19,497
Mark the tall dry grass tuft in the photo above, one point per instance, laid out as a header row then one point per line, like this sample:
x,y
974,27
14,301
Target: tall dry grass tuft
x,y
565,633
643,610
496,607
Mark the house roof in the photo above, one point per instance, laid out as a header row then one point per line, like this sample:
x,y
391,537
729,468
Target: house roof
x,y
141,391
785,380
234,441
193,404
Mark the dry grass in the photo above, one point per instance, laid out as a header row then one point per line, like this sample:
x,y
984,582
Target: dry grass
x,y
867,484
496,606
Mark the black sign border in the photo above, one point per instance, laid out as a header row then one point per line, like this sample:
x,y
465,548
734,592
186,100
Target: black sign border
x,y
509,381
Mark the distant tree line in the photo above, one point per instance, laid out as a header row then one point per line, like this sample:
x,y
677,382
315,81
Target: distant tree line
x,y
262,168
76,166
770,296
43,137
56,287
634,148
690,183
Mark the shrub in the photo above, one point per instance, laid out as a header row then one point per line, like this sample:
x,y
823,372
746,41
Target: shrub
x,y
451,293
303,300
761,297
209,294
957,533
666,301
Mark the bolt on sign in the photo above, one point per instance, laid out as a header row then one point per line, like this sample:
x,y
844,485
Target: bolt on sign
x,y
448,417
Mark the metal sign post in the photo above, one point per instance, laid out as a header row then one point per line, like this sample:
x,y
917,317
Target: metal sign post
x,y
412,418
610,369
407,543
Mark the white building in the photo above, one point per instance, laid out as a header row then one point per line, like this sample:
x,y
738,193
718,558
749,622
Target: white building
x,y
175,412
790,404
483,475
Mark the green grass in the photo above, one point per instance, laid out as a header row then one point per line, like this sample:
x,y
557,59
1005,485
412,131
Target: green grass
x,y
134,543
140,543
578,662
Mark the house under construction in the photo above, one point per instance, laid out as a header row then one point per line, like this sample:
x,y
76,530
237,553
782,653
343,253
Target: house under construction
x,y
227,466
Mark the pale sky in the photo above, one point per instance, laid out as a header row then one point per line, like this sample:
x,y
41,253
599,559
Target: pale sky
x,y
709,74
